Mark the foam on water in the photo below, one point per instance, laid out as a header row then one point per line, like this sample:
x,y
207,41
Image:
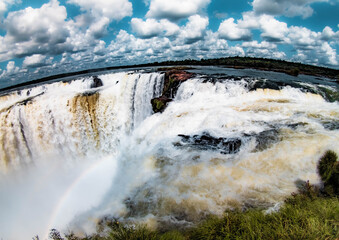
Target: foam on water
x,y
79,154
190,182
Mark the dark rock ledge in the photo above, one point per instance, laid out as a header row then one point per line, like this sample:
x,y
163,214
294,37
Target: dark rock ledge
x,y
205,141
173,79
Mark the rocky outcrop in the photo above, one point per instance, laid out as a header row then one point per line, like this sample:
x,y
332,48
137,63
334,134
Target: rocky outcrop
x,y
173,79
230,145
207,142
265,139
159,104
96,82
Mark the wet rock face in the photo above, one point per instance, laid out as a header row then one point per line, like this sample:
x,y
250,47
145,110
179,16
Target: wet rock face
x,y
265,139
179,75
232,145
173,79
159,104
96,82
207,142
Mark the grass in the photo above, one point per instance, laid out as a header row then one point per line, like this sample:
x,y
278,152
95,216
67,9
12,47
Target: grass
x,y
312,213
300,218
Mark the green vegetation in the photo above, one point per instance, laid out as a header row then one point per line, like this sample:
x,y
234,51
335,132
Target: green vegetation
x,y
328,168
301,217
313,213
158,105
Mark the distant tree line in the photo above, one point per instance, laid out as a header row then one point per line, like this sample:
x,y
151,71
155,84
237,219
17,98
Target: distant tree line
x,y
291,68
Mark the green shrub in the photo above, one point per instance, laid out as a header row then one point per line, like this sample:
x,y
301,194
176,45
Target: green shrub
x,y
328,169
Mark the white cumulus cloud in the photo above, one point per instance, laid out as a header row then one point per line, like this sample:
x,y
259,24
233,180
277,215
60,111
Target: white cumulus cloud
x,y
97,28
10,69
330,54
48,31
112,9
127,49
322,55
42,24
152,27
228,29
271,29
195,28
313,47
303,37
329,35
36,60
289,8
4,4
263,49
175,9
262,45
310,46
32,30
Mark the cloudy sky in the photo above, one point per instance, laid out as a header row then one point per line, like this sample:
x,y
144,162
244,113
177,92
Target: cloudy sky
x,y
46,37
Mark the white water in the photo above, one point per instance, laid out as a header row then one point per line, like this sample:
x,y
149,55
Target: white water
x,y
68,157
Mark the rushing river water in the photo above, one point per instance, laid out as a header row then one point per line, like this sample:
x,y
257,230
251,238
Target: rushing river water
x,y
74,152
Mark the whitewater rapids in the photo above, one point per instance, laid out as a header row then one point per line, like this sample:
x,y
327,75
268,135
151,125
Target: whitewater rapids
x,y
71,153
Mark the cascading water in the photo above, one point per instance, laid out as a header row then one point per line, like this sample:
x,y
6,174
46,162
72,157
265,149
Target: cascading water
x,y
81,153
71,119
54,137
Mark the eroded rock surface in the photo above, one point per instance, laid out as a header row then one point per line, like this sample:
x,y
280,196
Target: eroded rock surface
x,y
173,79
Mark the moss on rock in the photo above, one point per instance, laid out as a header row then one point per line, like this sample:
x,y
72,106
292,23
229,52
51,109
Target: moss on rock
x,y
159,104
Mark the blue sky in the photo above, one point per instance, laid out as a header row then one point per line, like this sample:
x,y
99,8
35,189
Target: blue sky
x,y
46,37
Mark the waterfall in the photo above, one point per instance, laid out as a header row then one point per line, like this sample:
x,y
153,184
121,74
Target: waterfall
x,y
71,118
74,152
